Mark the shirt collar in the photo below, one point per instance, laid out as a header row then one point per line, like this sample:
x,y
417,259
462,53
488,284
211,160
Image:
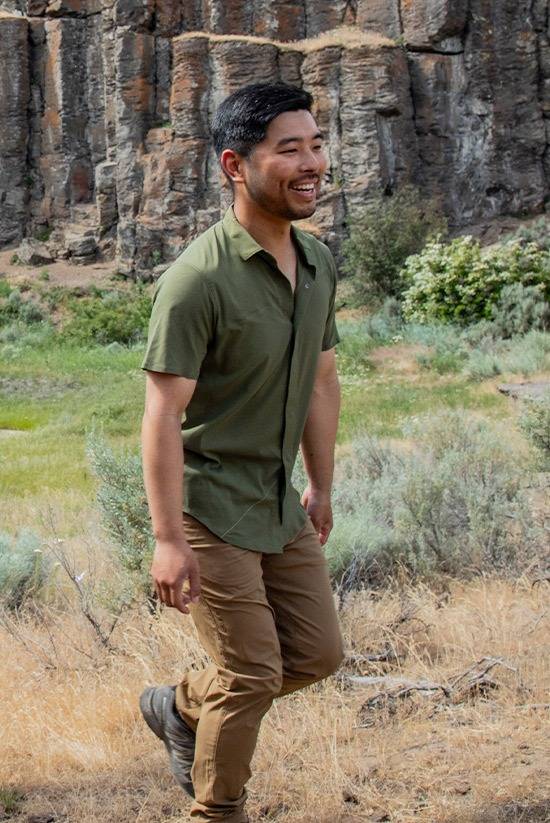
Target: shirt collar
x,y
248,247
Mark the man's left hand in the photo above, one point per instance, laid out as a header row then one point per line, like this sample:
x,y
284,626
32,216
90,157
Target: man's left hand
x,y
318,506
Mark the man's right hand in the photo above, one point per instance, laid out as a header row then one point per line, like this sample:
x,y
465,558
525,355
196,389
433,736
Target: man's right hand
x,y
175,562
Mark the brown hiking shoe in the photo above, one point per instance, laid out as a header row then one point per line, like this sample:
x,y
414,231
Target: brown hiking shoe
x,y
157,705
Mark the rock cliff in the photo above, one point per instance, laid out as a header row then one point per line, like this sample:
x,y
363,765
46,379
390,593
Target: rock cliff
x,y
105,108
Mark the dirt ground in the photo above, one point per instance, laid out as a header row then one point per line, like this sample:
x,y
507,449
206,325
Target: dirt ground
x,y
61,273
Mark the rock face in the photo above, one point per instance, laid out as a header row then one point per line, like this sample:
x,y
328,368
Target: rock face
x,y
105,108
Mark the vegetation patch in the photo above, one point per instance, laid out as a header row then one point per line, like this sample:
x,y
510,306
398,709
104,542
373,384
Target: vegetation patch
x,y
445,507
24,569
461,283
37,388
383,237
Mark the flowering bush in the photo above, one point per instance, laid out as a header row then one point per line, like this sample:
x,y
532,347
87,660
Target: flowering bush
x,y
459,282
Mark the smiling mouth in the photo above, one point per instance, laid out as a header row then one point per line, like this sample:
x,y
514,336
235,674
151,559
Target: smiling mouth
x,y
305,188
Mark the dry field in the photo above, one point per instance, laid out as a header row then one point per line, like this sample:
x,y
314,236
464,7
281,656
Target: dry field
x,y
74,747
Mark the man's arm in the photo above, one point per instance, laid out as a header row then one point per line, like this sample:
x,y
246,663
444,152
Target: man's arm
x,y
174,562
318,441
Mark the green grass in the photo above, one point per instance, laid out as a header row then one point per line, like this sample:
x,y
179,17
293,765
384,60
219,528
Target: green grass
x,y
102,388
52,394
380,408
10,799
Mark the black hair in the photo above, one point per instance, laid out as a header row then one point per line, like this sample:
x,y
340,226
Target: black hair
x,y
242,119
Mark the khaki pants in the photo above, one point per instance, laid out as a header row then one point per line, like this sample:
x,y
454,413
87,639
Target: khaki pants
x,y
269,624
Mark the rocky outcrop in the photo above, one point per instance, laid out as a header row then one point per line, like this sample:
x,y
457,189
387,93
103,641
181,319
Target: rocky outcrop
x,y
105,108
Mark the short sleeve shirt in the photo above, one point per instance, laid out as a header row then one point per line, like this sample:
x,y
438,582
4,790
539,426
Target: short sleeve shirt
x,y
225,315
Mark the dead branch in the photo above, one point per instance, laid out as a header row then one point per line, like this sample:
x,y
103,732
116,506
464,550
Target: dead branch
x,y
388,655
473,681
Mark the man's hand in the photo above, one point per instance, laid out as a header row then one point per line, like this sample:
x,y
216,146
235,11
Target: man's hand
x,y
174,563
317,504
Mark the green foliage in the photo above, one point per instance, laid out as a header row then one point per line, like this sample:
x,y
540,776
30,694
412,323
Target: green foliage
x,y
444,508
520,309
353,350
385,325
112,317
537,233
443,361
5,287
524,355
156,257
123,504
14,307
380,241
460,283
44,234
535,424
24,570
10,800
44,275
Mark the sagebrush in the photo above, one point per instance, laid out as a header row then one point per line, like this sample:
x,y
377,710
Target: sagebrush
x,y
452,505
123,503
24,569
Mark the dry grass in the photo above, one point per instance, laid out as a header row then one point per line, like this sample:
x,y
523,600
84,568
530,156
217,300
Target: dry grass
x,y
74,745
349,37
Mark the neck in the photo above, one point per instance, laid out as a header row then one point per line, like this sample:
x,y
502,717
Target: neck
x,y
272,233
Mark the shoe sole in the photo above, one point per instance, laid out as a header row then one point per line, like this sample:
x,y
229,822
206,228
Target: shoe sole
x,y
155,723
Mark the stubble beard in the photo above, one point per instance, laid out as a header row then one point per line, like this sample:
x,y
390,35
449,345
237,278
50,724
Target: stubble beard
x,y
277,206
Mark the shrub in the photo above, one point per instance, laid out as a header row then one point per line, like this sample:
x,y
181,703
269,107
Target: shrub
x,y
13,307
123,504
525,354
384,325
20,336
520,309
459,282
352,353
537,233
391,229
113,317
535,423
24,570
446,507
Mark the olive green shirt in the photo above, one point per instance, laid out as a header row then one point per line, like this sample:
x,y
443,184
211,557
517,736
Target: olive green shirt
x,y
225,315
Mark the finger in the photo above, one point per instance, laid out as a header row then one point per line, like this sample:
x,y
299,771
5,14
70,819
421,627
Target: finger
x,y
179,600
165,595
324,533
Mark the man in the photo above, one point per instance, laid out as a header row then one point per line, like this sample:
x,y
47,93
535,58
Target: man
x,y
241,340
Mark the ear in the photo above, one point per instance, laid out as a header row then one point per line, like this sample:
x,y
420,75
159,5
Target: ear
x,y
231,164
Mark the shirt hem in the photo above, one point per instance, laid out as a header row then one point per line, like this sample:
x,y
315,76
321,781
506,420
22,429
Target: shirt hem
x,y
243,543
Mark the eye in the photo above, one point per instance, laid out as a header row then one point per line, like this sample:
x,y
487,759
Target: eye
x,y
289,151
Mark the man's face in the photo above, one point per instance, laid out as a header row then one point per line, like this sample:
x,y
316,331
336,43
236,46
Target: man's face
x,y
283,173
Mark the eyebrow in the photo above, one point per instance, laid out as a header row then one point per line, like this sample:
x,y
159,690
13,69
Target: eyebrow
x,y
318,136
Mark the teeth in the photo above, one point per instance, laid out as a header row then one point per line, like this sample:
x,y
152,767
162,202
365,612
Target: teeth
x,y
303,188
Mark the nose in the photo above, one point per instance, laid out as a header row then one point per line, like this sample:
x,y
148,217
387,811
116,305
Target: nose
x,y
312,161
